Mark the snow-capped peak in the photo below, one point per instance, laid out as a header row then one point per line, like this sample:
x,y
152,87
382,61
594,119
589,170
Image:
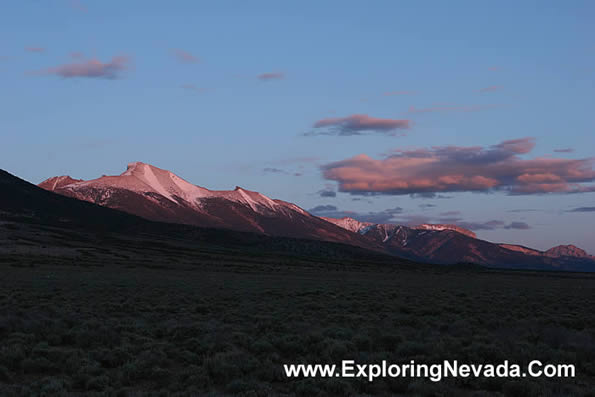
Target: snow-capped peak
x,y
145,178
349,223
441,227
57,182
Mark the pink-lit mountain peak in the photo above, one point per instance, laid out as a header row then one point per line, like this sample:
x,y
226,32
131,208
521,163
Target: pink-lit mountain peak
x,y
146,179
363,227
160,195
57,182
142,178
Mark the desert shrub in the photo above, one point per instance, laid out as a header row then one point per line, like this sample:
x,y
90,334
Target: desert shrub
x,y
338,333
424,388
521,388
390,341
555,337
38,365
141,368
50,386
110,358
398,385
239,387
262,346
306,388
5,376
288,344
225,366
269,371
54,339
362,342
93,334
98,383
336,350
12,356
337,387
410,349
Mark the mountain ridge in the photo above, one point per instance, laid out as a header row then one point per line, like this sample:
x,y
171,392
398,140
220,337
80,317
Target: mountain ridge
x,y
160,195
421,242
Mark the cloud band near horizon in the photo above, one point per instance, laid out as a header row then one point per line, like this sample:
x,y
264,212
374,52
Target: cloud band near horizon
x,y
462,169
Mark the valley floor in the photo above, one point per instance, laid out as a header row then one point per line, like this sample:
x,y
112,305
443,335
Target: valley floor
x,y
95,328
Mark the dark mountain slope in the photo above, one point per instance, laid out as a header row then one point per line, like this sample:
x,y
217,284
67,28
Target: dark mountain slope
x,y
24,203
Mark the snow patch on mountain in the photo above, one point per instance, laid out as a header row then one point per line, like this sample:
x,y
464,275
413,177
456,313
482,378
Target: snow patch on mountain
x,y
442,227
145,178
521,249
56,182
349,224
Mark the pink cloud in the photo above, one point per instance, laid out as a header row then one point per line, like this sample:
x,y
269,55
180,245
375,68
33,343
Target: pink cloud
x,y
35,49
92,68
271,76
490,88
462,169
78,5
356,124
184,56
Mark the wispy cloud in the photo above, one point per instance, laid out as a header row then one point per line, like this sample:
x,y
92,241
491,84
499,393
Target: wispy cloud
x,y
77,5
194,88
450,213
184,56
491,88
564,150
92,68
271,76
413,219
272,170
357,124
397,216
327,193
37,50
582,209
463,169
493,225
331,211
428,195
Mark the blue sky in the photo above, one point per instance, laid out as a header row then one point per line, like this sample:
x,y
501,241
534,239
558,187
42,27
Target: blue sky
x,y
177,85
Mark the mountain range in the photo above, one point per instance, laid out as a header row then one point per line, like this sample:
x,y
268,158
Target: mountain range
x,y
160,195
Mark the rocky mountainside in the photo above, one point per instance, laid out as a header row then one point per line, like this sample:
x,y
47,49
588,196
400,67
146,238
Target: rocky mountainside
x,y
568,251
160,195
449,244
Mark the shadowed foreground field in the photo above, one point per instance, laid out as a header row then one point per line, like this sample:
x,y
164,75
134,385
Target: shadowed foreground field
x,y
118,330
